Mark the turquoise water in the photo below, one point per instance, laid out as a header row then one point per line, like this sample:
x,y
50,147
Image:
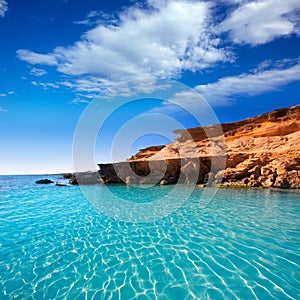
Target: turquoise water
x,y
245,244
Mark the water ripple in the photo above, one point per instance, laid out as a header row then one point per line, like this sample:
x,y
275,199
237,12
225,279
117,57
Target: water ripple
x,y
244,245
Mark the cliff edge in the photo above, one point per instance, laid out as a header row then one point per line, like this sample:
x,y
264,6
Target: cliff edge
x,y
260,151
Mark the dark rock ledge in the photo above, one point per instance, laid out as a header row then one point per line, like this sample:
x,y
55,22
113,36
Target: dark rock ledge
x,y
239,172
163,172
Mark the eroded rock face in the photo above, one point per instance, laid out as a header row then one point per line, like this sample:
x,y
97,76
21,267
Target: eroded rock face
x,y
85,178
261,152
163,172
266,173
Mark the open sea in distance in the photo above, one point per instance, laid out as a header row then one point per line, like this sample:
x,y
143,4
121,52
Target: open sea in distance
x,y
54,244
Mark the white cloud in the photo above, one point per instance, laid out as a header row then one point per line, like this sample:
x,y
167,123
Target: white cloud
x,y
3,8
97,17
92,87
157,3
37,72
161,42
188,100
6,94
227,89
250,84
79,100
89,85
268,76
35,58
165,38
261,21
45,85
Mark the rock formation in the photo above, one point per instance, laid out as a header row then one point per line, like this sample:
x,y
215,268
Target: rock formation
x,y
88,177
169,171
44,181
261,152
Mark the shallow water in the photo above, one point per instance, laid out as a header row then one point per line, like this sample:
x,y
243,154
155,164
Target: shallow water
x,y
54,244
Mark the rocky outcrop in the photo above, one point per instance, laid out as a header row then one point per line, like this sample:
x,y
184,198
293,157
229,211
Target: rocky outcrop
x,y
169,171
60,184
85,178
263,171
67,175
261,152
44,181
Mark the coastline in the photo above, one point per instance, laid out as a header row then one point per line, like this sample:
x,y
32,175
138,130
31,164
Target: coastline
x,y
257,152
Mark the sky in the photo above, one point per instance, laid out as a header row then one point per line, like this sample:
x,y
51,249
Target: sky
x,y
58,56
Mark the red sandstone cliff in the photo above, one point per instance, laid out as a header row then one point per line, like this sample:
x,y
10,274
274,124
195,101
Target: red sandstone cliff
x,y
261,151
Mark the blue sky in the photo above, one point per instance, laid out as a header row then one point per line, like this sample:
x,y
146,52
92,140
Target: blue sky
x,y
242,56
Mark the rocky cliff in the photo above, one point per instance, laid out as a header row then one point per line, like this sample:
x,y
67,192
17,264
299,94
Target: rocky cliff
x,y
260,151
169,171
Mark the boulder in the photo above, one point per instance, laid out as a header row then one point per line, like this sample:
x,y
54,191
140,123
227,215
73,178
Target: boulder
x,y
282,182
294,179
60,184
44,181
164,182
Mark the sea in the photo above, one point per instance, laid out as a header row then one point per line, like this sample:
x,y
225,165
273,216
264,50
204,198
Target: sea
x,y
152,242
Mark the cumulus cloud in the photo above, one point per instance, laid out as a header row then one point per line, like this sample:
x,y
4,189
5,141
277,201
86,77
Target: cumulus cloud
x,y
161,42
165,38
250,84
261,21
3,8
268,77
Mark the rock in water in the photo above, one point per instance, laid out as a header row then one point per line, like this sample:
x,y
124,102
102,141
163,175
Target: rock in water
x,y
60,184
44,181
